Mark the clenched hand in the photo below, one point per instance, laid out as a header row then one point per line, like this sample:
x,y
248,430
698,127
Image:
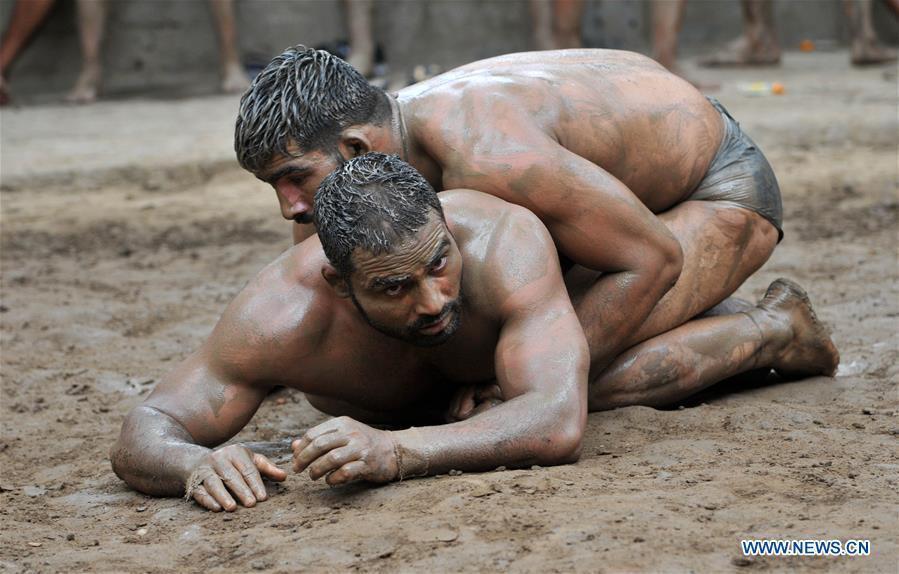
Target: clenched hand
x,y
345,450
472,399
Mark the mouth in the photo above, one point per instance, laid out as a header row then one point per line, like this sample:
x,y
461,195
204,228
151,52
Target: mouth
x,y
438,326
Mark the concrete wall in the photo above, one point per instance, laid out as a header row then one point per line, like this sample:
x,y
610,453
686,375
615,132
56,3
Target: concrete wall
x,y
169,46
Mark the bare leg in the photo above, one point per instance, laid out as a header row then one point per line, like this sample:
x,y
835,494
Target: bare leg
x,y
782,332
26,16
866,48
234,78
733,338
91,24
542,22
567,17
722,245
758,46
362,43
667,16
893,5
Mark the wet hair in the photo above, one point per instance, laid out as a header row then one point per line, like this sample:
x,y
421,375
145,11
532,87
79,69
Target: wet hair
x,y
372,202
306,97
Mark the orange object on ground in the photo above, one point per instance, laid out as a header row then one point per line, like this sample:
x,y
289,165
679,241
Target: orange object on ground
x,y
777,88
807,45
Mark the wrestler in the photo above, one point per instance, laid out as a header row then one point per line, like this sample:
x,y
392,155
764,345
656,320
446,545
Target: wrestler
x,y
635,174
406,307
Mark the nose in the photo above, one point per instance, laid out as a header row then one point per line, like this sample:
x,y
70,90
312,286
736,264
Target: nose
x,y
431,299
292,203
299,211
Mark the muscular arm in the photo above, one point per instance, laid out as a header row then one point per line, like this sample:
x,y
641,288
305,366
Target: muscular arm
x,y
597,222
170,438
167,437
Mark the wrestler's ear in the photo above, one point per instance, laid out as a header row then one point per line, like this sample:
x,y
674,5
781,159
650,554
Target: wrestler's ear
x,y
354,141
335,280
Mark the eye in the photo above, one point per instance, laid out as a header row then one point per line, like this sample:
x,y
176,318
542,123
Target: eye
x,y
439,265
393,290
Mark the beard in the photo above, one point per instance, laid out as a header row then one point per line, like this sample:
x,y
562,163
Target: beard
x,y
412,333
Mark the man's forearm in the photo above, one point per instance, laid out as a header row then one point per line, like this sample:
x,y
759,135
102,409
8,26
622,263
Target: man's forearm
x,y
510,434
155,454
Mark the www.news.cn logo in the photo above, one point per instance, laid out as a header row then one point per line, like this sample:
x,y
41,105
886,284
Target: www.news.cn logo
x,y
805,547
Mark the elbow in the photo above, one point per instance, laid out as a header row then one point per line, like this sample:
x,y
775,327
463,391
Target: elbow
x,y
120,459
569,419
569,444
121,455
116,455
565,439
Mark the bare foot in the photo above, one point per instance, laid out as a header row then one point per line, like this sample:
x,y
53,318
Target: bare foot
x,y
86,87
871,53
809,351
745,52
234,80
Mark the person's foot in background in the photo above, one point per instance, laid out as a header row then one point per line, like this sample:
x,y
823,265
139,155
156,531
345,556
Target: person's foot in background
x,y
234,77
91,25
87,86
865,47
758,46
667,16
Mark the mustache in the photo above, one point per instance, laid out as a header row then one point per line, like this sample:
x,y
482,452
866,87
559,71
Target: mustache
x,y
428,320
303,217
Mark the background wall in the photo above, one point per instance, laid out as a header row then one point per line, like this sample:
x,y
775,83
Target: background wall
x,y
169,46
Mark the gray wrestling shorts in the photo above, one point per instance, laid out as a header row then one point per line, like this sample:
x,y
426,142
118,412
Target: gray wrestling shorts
x,y
740,175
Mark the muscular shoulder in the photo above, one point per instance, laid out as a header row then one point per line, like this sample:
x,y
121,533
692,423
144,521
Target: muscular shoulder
x,y
506,248
468,123
280,316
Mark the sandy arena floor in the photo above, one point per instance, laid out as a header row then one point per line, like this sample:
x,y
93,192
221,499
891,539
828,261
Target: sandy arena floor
x,y
111,275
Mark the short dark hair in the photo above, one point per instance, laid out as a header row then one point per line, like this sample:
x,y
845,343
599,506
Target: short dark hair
x,y
372,201
307,97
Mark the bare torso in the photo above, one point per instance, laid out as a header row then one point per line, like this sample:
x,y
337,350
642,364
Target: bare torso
x,y
619,110
320,344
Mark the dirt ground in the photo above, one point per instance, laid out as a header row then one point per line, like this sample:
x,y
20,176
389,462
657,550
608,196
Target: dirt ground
x,y
106,287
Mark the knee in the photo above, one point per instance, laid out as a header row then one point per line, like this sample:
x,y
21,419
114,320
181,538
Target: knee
x,y
749,230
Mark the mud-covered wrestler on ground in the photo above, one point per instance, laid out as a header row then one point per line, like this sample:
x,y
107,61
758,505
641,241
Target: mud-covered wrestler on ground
x,y
633,171
409,309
